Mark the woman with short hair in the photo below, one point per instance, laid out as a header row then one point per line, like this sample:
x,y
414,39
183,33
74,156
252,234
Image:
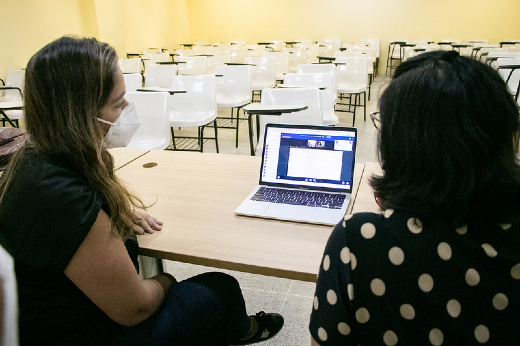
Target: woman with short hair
x,y
441,264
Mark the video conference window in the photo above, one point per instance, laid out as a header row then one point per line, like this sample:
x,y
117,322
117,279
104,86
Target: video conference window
x,y
316,158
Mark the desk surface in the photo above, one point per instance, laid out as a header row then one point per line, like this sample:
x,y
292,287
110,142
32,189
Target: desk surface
x,y
196,195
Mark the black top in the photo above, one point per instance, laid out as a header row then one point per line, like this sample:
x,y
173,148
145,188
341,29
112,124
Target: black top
x,y
390,280
47,214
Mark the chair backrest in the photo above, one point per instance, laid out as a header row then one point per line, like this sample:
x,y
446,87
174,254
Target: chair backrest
x,y
235,81
314,80
238,55
192,65
297,56
354,70
200,98
132,65
513,79
216,58
263,73
281,61
349,54
160,75
152,108
330,69
14,78
309,97
375,43
133,81
159,57
152,50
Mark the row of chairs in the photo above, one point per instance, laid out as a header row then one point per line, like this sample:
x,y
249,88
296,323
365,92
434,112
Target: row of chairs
x,y
12,90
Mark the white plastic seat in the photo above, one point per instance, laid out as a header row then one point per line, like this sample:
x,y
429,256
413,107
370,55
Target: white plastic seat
x,y
316,80
262,74
192,65
160,75
152,108
352,79
132,65
14,79
238,55
297,56
281,63
309,97
133,81
217,58
330,69
233,91
255,50
195,108
511,76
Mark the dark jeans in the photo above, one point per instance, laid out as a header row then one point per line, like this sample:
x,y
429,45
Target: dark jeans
x,y
205,310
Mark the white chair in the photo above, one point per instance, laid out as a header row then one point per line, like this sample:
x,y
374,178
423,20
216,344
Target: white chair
x,y
255,50
217,58
152,50
297,56
132,65
159,75
152,108
330,69
352,79
370,68
493,56
192,65
316,80
14,79
281,63
309,97
13,91
195,108
395,55
133,81
238,55
511,76
233,91
262,74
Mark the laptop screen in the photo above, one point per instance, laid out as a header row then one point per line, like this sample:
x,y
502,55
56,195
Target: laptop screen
x,y
309,156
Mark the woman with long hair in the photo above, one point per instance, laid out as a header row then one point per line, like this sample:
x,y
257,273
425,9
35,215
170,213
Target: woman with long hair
x,y
441,264
70,223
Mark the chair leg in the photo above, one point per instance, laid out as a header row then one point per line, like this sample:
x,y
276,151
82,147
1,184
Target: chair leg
x,y
238,122
201,138
369,86
216,137
354,113
365,105
173,138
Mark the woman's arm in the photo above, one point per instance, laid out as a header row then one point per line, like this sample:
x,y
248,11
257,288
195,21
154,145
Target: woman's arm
x,y
102,269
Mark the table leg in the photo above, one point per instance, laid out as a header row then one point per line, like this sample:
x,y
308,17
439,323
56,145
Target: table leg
x,y
250,125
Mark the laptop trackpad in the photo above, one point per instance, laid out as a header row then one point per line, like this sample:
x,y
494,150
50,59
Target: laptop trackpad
x,y
290,212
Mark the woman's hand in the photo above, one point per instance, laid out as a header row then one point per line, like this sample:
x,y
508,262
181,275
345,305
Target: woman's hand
x,y
146,223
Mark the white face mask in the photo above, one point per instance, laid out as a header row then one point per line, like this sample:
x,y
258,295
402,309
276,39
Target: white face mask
x,y
122,130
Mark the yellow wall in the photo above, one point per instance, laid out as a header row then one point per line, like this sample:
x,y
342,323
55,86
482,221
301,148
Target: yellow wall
x,y
350,20
27,25
128,25
133,25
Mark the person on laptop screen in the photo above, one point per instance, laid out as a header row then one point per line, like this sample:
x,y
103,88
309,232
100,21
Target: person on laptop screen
x,y
441,264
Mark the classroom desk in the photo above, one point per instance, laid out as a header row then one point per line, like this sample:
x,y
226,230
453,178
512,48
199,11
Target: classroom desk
x,y
195,195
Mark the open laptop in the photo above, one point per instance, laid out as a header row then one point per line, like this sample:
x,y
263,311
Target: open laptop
x,y
306,174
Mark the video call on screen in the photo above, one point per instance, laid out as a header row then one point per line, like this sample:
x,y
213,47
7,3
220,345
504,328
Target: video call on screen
x,y
321,159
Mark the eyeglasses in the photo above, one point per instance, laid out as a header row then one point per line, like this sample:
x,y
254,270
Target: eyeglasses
x,y
374,116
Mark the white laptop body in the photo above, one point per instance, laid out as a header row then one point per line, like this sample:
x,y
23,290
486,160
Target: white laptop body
x,y
304,158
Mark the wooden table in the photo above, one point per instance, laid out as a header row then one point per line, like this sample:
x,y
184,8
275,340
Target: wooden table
x,y
365,201
195,196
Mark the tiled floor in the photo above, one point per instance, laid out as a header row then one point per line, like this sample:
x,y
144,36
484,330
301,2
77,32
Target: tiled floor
x,y
291,298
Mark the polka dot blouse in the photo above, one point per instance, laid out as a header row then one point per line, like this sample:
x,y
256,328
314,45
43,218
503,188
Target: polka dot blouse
x,y
387,279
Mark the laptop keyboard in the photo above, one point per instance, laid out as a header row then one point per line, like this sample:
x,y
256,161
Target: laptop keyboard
x,y
299,197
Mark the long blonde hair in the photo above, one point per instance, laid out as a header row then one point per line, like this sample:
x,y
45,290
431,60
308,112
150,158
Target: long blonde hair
x,y
67,83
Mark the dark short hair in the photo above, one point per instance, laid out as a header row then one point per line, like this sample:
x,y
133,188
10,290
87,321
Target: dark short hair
x,y
449,141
